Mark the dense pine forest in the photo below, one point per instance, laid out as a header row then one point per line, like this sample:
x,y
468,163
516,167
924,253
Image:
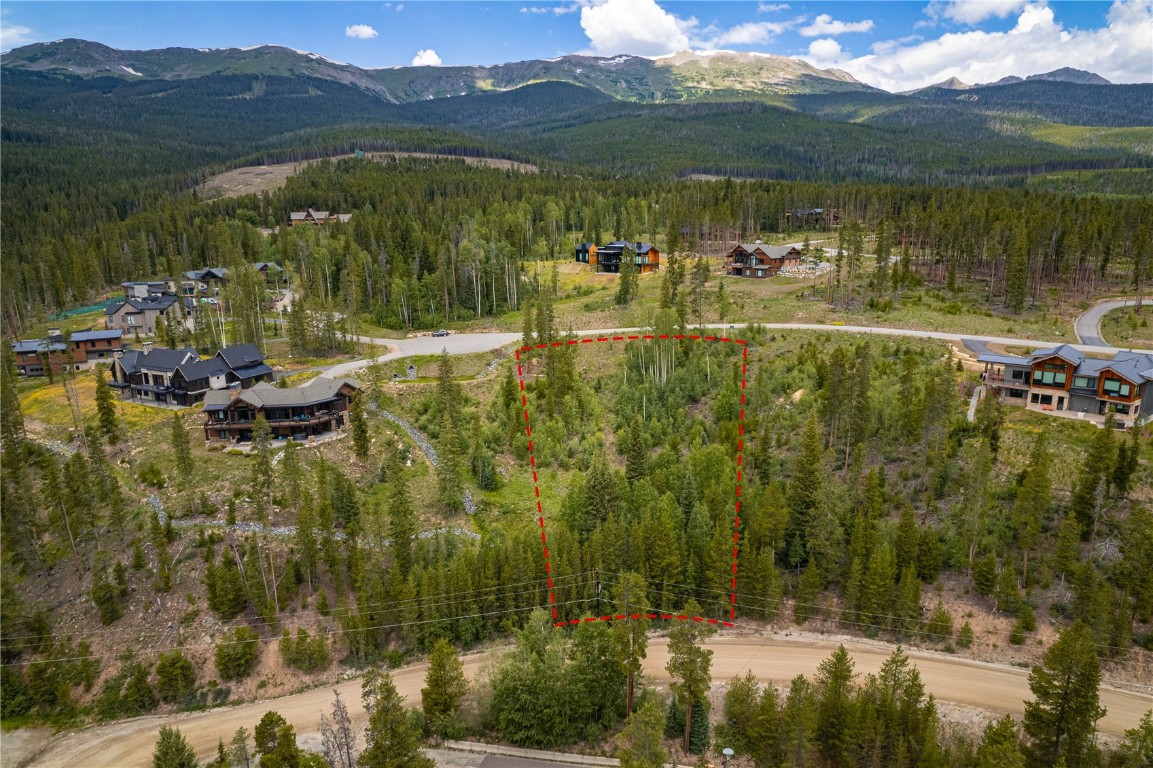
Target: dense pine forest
x,y
431,243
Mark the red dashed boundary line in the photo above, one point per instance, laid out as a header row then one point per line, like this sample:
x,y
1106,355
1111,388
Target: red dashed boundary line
x,y
739,479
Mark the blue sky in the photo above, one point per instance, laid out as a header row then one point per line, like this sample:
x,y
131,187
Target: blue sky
x,y
893,45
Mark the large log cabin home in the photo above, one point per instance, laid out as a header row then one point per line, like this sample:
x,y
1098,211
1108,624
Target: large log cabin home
x,y
608,258
758,260
1065,382
302,414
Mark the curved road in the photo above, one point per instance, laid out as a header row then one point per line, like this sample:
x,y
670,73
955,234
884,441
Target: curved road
x,y
469,343
993,687
1088,325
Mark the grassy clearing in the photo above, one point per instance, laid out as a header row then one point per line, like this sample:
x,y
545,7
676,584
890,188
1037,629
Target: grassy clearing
x,y
1123,328
587,300
1116,182
49,405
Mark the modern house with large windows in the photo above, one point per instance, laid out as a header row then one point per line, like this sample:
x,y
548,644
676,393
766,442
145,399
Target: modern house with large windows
x,y
317,409
608,258
1062,380
179,377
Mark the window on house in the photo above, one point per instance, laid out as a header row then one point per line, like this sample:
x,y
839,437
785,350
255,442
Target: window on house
x,y
1034,398
1018,375
1018,393
1116,388
1082,382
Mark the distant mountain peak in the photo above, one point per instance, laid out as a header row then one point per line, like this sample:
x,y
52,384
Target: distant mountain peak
x,y
1070,75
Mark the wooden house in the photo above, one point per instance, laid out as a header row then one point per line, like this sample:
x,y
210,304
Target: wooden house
x,y
759,260
608,258
317,218
318,408
1062,380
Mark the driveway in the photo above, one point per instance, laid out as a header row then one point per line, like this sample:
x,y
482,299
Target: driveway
x,y
1088,325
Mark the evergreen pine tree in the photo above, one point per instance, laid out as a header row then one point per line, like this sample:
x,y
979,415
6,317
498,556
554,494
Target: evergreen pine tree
x,y
444,684
390,740
1016,270
630,635
358,424
1061,720
261,452
689,664
639,744
182,452
173,750
106,407
11,417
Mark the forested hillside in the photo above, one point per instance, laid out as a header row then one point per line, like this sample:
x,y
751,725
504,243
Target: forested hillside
x,y
868,503
434,242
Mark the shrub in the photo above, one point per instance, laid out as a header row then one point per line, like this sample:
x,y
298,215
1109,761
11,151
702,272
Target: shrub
x,y
236,654
175,677
150,474
965,636
308,654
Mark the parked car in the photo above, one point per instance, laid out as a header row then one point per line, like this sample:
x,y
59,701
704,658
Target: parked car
x,y
441,332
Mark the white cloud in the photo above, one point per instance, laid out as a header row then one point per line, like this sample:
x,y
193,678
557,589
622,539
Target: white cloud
x,y
1120,51
638,27
974,11
360,31
827,25
400,8
426,57
748,34
825,52
772,7
12,36
559,10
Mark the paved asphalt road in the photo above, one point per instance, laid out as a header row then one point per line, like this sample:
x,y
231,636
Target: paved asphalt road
x,y
1088,325
468,343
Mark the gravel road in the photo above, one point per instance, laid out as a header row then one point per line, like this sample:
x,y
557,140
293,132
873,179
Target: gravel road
x,y
991,687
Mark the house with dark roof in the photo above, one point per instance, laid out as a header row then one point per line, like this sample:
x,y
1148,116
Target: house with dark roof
x,y
608,258
759,260
92,347
1062,380
138,316
317,218
813,217
208,280
36,357
84,349
181,377
318,408
142,288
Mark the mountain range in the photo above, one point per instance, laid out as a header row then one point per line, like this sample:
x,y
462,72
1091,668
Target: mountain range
x,y
684,76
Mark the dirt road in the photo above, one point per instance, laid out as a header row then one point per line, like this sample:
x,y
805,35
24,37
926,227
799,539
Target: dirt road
x,y
771,657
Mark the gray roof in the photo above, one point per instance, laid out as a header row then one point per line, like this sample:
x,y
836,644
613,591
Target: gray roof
x,y
241,355
1003,359
201,369
267,265
217,399
265,395
156,302
772,251
208,273
1064,351
95,335
252,371
37,345
1132,368
164,359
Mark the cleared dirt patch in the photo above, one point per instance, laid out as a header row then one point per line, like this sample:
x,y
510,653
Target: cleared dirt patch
x,y
255,179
